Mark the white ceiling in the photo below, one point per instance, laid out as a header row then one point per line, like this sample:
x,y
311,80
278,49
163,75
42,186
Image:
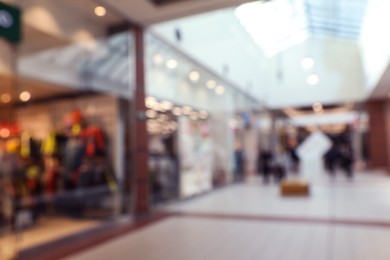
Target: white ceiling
x,y
146,13
348,70
350,52
279,80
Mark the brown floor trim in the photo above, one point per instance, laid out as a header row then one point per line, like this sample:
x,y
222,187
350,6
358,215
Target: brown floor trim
x,y
79,242
271,218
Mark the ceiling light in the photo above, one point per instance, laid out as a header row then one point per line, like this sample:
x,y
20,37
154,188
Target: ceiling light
x,y
220,90
312,79
177,111
194,76
100,11
158,59
307,63
317,107
172,64
151,113
157,106
203,115
211,84
150,102
162,118
25,96
5,132
167,105
187,110
5,98
194,115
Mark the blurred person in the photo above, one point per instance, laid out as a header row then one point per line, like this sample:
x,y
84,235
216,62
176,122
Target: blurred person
x,y
331,157
280,164
346,160
294,158
238,163
265,164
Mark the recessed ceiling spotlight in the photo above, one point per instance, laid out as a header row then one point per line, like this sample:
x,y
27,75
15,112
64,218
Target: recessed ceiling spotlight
x,y
166,105
25,96
5,132
318,108
5,98
158,59
220,90
203,115
187,110
313,79
307,63
151,113
194,115
100,11
194,76
172,64
211,84
177,111
150,102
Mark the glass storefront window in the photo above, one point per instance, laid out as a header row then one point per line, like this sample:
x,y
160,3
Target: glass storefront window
x,y
61,165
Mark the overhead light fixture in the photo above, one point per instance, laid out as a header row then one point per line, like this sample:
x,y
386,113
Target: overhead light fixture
x,y
157,106
177,111
307,63
220,90
5,98
151,113
203,115
158,59
318,108
150,102
194,76
100,11
5,132
313,79
172,64
187,110
211,84
25,96
166,105
194,115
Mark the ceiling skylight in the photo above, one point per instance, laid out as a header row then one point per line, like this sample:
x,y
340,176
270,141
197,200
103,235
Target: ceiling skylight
x,y
276,25
280,24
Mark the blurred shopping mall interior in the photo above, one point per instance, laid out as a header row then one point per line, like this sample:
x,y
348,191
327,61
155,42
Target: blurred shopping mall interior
x,y
194,129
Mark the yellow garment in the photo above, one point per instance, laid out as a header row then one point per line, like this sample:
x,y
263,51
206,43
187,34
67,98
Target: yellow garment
x,y
49,145
111,183
13,145
76,129
25,151
32,172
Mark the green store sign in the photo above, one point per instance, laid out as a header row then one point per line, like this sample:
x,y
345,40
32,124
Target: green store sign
x,y
10,23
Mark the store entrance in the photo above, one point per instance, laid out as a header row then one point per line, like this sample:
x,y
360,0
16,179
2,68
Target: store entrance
x,y
57,157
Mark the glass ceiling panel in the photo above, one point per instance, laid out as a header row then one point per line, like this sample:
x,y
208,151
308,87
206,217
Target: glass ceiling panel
x,y
276,25
336,18
280,24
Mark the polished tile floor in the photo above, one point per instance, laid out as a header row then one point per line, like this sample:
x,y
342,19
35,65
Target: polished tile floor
x,y
340,220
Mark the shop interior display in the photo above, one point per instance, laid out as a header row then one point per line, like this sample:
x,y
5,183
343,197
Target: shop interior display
x,y
167,168
68,172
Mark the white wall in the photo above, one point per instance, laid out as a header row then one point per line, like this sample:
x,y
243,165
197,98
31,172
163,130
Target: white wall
x,y
375,42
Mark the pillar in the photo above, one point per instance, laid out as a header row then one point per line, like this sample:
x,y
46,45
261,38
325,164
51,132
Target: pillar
x,y
140,154
378,137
